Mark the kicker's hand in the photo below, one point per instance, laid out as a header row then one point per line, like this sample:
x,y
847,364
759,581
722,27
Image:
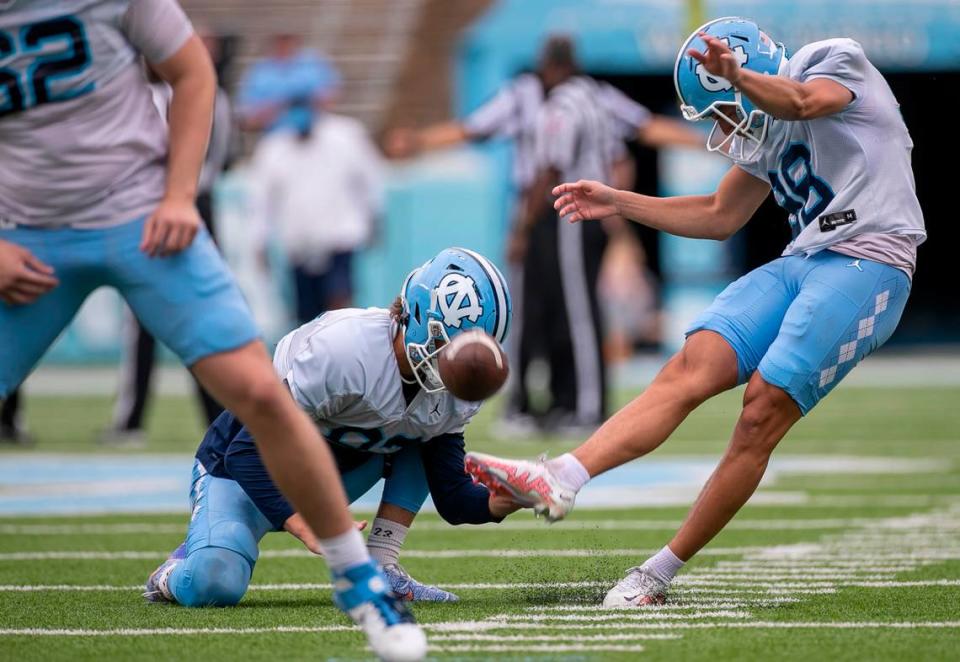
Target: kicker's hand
x,y
718,59
171,228
23,277
585,201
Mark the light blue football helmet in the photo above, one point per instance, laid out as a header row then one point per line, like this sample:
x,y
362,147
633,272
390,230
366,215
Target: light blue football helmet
x,y
456,291
702,94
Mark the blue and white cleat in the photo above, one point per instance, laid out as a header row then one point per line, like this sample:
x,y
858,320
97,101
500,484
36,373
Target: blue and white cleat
x,y
409,589
157,589
363,593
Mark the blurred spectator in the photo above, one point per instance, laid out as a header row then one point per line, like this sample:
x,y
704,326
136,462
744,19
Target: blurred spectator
x,y
139,355
321,187
280,90
628,299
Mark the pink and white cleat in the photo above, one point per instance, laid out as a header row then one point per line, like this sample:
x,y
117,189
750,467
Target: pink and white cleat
x,y
531,484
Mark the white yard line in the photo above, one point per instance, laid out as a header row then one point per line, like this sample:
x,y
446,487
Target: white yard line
x,y
148,632
90,529
685,594
517,524
521,524
554,638
456,554
689,603
479,586
540,648
879,559
623,616
476,626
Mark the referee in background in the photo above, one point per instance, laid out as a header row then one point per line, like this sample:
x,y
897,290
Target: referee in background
x,y
514,113
575,138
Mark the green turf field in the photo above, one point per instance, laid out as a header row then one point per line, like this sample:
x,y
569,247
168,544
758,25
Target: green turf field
x,y
837,564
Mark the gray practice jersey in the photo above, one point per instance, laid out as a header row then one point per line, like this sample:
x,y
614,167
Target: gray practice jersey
x,y
845,176
81,142
341,369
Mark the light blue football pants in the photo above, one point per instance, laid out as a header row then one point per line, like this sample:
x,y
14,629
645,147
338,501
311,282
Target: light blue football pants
x,y
805,322
188,301
226,527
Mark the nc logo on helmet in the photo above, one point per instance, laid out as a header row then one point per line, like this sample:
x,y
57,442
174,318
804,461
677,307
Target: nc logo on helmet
x,y
457,299
713,83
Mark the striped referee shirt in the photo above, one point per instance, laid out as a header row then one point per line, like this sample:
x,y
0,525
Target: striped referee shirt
x,y
576,134
515,110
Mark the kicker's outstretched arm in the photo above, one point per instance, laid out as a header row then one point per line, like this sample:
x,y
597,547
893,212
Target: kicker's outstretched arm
x,y
714,216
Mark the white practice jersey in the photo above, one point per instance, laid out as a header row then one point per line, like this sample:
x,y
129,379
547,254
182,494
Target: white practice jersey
x,y
848,175
81,142
341,369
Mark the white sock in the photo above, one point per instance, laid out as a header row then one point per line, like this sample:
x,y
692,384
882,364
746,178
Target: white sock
x,y
664,564
344,551
570,471
385,540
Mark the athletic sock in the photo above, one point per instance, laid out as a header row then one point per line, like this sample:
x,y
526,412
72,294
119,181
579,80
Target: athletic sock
x,y
570,471
385,540
664,564
344,551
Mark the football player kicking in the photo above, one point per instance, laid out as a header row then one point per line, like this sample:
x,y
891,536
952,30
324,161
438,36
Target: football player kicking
x,y
823,131
369,378
96,189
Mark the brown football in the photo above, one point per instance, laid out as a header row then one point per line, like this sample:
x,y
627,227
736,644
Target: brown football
x,y
473,366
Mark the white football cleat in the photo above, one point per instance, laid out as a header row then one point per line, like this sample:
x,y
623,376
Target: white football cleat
x,y
639,588
530,484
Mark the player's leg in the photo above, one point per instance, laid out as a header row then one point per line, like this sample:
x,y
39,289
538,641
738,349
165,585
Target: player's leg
x,y
528,332
768,413
190,303
290,445
578,375
136,375
838,317
212,568
841,314
404,491
308,293
12,430
724,347
338,282
28,330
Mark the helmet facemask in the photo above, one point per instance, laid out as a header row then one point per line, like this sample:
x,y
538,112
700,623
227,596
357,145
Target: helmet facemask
x,y
423,357
744,136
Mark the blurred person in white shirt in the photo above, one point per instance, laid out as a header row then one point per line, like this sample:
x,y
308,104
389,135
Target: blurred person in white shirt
x,y
318,191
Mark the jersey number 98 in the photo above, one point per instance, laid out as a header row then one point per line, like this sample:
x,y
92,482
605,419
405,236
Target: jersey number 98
x,y
21,90
797,189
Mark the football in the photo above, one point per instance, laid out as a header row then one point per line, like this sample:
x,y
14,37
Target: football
x,y
473,366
